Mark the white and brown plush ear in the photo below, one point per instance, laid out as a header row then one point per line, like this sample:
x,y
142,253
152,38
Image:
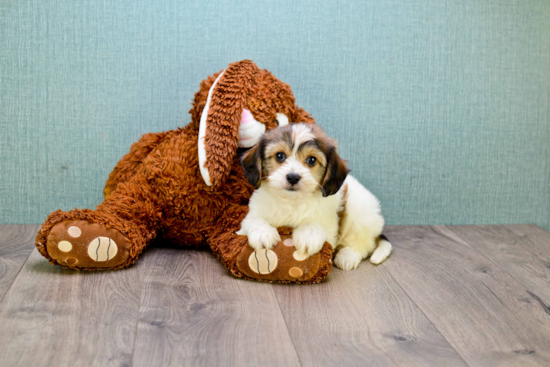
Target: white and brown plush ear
x,y
220,121
250,130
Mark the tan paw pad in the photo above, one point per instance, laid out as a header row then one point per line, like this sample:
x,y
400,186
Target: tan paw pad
x,y
263,261
65,246
74,231
295,272
102,249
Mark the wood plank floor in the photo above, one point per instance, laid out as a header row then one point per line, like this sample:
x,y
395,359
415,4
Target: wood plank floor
x,y
448,296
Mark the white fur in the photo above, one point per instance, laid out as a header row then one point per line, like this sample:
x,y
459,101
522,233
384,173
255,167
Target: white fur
x,y
381,253
315,218
262,235
299,210
362,225
300,134
282,119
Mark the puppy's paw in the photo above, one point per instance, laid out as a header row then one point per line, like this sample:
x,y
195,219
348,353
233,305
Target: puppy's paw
x,y
381,253
263,237
347,259
309,239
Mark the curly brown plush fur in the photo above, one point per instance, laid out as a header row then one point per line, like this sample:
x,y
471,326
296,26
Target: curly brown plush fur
x,y
157,188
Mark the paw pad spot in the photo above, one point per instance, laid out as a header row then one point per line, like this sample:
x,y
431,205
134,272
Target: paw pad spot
x,y
295,272
74,231
299,256
71,261
65,246
288,242
263,261
102,249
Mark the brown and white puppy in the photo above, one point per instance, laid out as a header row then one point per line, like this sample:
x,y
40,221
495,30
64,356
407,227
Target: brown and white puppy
x,y
302,183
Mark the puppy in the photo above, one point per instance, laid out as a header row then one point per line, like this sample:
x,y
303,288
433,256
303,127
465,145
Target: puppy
x,y
302,183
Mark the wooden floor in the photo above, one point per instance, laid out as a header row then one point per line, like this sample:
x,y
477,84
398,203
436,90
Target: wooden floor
x,y
448,296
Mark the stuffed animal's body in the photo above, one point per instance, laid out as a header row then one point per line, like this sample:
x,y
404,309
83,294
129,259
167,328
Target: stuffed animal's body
x,y
187,186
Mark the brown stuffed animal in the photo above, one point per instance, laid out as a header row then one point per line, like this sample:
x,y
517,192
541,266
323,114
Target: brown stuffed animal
x,y
187,186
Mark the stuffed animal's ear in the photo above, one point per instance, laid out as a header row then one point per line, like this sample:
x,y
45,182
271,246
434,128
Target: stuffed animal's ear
x,y
335,174
252,164
300,115
220,120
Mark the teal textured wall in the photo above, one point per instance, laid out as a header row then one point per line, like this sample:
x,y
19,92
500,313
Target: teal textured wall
x,y
441,107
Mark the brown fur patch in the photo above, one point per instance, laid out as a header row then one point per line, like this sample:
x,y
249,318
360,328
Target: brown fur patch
x,y
319,168
252,164
342,215
335,173
274,147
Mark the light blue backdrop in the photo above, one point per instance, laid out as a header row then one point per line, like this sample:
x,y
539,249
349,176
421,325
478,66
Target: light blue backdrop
x,y
441,107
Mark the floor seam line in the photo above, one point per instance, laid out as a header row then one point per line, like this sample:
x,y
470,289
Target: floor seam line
x,y
137,316
286,325
427,318
423,313
16,276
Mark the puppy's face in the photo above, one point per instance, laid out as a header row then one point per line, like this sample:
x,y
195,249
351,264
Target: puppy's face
x,y
296,158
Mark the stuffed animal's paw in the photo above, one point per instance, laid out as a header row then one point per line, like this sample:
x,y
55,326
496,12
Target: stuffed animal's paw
x,y
78,244
283,263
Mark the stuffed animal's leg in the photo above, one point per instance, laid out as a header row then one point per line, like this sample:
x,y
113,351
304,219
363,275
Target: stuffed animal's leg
x,y
130,164
110,237
280,264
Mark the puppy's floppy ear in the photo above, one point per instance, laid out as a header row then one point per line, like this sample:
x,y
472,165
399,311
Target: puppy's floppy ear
x,y
252,164
220,120
336,172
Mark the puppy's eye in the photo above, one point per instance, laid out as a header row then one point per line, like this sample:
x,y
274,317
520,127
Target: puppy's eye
x,y
280,157
311,161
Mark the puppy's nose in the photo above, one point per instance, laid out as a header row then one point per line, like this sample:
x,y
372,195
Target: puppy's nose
x,y
293,178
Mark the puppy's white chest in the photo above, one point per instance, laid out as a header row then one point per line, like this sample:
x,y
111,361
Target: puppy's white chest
x,y
299,211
